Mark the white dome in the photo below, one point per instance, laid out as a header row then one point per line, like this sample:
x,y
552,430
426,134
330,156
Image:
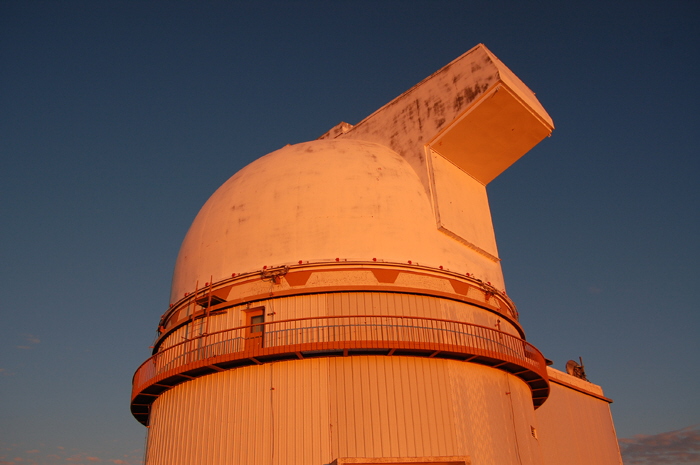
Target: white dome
x,y
317,201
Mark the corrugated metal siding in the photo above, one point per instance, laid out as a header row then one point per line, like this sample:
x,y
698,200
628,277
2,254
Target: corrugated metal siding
x,y
577,429
378,303
271,414
283,308
390,407
451,310
493,413
313,411
343,303
309,412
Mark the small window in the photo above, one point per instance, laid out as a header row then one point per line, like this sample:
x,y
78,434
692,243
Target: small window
x,y
255,321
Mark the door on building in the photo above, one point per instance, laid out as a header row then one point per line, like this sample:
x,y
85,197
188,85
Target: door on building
x,y
255,329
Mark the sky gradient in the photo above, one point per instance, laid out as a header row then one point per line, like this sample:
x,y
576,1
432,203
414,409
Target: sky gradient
x,y
118,119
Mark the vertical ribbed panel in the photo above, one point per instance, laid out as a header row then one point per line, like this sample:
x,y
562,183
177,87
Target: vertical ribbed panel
x,y
385,303
457,311
378,303
493,412
270,414
343,303
390,407
573,414
311,411
301,407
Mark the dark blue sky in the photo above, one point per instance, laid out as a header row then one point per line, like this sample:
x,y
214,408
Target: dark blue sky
x,y
118,119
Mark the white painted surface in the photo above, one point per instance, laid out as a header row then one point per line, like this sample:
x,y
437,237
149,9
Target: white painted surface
x,y
310,412
462,207
576,428
345,303
319,201
424,113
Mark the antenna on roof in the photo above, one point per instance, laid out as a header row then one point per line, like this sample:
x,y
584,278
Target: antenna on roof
x,y
576,369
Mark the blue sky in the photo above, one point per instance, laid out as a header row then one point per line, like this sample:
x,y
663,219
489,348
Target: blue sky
x,y
118,119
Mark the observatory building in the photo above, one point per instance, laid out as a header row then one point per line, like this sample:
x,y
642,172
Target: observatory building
x,y
341,301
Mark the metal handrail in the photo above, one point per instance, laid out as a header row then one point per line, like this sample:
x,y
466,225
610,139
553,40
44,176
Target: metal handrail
x,y
338,332
191,297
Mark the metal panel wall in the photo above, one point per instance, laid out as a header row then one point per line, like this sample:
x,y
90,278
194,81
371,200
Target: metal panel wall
x,y
577,429
344,303
391,407
494,414
312,411
271,414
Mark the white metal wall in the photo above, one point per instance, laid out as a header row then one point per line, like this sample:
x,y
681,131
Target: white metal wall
x,y
577,429
345,303
495,415
236,416
309,412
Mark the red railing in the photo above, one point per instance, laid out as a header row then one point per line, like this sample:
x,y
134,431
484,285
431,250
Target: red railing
x,y
341,335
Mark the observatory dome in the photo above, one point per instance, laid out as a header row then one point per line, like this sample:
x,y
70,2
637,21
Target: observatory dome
x,y
317,201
